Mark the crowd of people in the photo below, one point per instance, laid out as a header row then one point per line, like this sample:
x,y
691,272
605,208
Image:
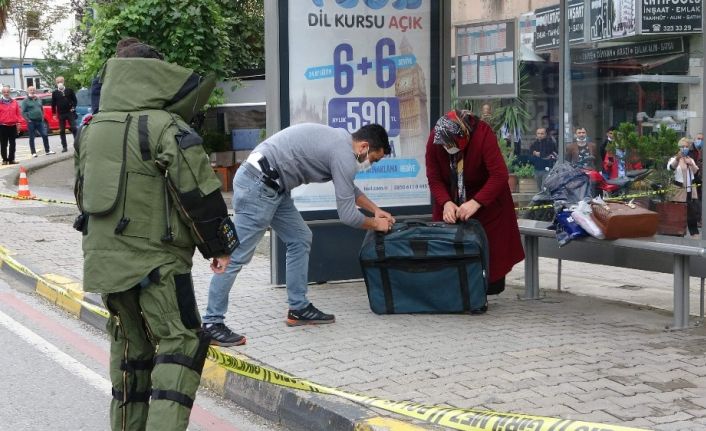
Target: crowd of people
x,y
613,162
30,110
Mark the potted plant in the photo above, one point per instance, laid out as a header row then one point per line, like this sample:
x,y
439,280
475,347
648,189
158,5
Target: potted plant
x,y
525,173
218,148
655,150
626,138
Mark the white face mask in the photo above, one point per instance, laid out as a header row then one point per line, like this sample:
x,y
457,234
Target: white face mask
x,y
365,164
60,87
452,150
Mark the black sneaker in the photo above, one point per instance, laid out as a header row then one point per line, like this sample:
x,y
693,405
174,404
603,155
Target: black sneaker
x,y
63,150
309,316
222,336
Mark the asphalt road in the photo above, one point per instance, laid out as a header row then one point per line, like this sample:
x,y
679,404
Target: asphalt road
x,y
54,372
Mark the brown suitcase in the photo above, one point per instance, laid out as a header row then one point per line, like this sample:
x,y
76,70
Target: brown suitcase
x,y
624,220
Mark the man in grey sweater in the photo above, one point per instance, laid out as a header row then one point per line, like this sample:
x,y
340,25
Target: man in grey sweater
x,y
300,154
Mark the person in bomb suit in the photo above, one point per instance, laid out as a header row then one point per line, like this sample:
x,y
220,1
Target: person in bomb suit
x,y
148,197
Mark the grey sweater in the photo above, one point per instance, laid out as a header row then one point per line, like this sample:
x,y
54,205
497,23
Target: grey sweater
x,y
314,153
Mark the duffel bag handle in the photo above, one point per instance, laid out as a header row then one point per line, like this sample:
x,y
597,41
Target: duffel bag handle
x,y
415,222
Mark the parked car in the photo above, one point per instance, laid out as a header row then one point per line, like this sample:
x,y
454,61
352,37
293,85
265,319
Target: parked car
x,y
52,122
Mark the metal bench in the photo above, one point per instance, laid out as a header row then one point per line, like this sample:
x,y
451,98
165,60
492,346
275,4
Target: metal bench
x,y
636,253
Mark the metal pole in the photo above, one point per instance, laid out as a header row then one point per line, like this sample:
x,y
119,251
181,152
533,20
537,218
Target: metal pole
x,y
701,301
272,113
703,122
565,100
558,275
681,292
531,267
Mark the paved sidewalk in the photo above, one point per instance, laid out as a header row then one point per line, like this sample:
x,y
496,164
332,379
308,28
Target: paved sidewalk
x,y
578,355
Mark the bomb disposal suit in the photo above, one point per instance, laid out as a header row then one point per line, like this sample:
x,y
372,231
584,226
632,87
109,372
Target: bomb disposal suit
x,y
148,196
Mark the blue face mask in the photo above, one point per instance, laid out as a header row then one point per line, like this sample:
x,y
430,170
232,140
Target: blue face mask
x,y
685,151
699,143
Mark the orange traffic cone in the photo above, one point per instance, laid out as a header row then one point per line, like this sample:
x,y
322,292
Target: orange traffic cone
x,y
23,192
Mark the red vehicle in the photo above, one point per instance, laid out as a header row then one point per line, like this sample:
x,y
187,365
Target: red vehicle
x,y
48,117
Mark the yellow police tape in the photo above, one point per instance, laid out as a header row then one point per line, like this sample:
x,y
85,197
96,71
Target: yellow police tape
x,y
455,418
8,260
35,198
620,198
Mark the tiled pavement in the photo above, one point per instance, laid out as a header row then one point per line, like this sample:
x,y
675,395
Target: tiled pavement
x,y
571,356
22,152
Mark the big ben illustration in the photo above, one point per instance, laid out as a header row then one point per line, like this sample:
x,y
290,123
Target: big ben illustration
x,y
410,89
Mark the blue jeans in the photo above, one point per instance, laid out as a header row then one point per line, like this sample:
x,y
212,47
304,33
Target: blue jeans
x,y
258,207
40,127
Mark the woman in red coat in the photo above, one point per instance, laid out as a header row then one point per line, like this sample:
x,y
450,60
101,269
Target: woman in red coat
x,y
477,166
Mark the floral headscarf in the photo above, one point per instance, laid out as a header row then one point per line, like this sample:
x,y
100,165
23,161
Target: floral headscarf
x,y
454,130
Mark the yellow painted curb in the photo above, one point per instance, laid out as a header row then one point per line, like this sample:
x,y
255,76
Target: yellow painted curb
x,y
47,291
385,424
214,377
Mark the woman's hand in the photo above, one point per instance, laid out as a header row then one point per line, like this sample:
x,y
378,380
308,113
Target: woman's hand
x,y
450,210
466,211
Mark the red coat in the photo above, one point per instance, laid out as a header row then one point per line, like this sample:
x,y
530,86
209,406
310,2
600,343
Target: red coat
x,y
485,176
9,113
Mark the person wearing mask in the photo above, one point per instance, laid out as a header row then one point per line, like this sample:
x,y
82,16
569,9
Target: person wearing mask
x,y
582,153
468,179
300,154
63,108
33,112
542,155
697,153
685,171
9,126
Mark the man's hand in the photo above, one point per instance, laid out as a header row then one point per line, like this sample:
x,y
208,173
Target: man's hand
x,y
218,264
450,210
382,224
536,153
383,214
466,211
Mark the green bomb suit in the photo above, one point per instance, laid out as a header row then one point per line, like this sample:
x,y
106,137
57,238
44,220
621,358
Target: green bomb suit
x,y
148,197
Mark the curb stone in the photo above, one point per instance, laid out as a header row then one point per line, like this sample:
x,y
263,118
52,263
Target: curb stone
x,y
296,410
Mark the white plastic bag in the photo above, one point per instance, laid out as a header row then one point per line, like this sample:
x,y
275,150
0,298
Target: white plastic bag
x,y
586,221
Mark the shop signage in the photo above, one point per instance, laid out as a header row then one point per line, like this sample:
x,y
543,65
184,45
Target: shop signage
x,y
671,16
547,35
575,12
674,45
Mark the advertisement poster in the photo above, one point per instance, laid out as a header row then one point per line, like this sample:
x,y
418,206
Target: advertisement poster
x,y
486,55
357,62
623,18
671,16
528,27
600,19
612,19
